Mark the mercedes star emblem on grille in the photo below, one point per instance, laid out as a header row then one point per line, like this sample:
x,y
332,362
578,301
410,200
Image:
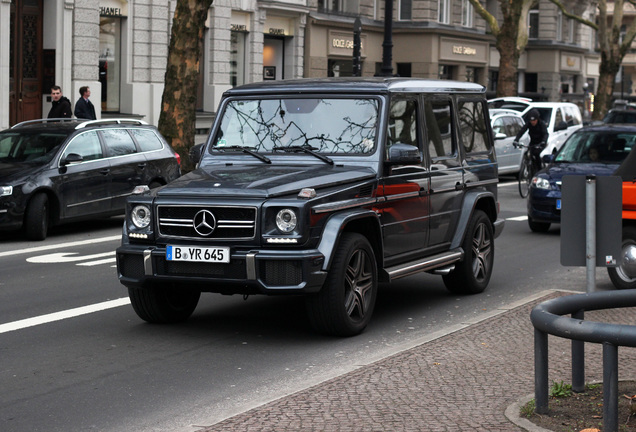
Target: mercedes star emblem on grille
x,y
204,223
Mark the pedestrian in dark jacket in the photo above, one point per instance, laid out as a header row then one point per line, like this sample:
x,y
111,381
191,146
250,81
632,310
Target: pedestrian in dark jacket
x,y
60,105
538,132
84,109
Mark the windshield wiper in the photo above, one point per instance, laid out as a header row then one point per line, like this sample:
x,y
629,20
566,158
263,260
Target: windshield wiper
x,y
245,150
305,149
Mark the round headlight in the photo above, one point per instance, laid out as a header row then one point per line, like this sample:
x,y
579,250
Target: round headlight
x,y
140,216
286,220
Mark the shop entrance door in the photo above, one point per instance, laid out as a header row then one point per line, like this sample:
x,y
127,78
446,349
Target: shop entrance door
x,y
25,61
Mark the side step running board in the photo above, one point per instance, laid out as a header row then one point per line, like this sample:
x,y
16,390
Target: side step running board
x,y
436,261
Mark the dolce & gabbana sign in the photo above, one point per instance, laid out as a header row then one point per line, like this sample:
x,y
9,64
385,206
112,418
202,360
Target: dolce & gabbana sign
x,y
341,44
461,50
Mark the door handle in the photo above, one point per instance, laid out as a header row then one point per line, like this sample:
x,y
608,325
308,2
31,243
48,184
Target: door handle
x,y
142,165
104,171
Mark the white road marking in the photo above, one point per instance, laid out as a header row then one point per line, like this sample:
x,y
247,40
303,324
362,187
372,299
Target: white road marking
x,y
60,245
58,316
65,257
98,262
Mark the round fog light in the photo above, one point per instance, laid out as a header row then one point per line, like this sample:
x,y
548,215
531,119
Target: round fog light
x,y
286,220
140,216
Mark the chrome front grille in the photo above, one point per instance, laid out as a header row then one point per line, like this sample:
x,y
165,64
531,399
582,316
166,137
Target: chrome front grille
x,y
207,222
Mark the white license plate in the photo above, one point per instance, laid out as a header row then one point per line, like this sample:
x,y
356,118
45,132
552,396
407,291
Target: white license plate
x,y
198,254
558,204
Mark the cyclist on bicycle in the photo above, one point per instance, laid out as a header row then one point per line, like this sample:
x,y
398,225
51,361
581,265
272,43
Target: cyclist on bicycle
x,y
538,132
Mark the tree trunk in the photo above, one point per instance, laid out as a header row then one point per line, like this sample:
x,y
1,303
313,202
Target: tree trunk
x,y
178,103
604,95
508,65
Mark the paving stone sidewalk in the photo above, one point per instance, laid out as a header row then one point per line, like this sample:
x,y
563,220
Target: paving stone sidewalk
x,y
463,381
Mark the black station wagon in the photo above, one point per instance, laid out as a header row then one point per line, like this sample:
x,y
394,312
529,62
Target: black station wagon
x,y
54,171
322,188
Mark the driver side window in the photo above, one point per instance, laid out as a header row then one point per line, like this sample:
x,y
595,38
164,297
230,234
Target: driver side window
x,y
86,145
402,122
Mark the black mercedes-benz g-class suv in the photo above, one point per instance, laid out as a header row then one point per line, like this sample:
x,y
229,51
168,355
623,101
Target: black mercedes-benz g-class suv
x,y
324,188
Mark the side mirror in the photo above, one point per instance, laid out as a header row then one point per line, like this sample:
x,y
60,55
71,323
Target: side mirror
x,y
404,154
561,126
500,135
547,159
195,153
72,158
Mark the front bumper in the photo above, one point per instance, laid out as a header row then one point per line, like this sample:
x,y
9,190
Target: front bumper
x,y
249,271
542,205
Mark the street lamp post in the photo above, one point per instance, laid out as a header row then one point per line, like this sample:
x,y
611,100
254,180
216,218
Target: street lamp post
x,y
387,45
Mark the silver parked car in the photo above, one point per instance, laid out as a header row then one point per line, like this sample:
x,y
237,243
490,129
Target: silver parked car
x,y
505,126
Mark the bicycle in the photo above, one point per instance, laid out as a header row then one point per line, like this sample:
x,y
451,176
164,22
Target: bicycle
x,y
527,170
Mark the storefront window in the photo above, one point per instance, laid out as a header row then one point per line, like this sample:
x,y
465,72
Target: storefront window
x,y
237,58
445,72
109,61
340,68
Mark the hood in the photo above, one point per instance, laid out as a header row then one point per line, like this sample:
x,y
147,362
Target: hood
x,y
556,171
11,172
262,181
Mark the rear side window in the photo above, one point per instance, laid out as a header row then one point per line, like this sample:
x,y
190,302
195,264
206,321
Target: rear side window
x,y
118,142
472,126
86,145
146,139
439,128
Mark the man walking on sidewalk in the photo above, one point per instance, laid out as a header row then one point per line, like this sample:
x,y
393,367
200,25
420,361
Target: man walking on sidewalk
x,y
84,109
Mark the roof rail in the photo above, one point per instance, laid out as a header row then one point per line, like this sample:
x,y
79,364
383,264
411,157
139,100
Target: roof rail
x,y
44,120
106,122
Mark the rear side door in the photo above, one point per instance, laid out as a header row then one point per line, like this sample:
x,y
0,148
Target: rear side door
x,y
404,206
446,170
506,152
83,188
127,165
479,161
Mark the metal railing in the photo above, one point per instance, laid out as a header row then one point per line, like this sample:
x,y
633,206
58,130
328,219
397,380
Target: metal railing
x,y
547,319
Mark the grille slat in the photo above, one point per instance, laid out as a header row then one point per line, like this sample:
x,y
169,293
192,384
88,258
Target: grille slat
x,y
231,222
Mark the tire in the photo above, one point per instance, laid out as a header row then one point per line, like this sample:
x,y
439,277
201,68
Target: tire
x,y
525,176
163,305
344,305
472,274
36,218
538,226
624,276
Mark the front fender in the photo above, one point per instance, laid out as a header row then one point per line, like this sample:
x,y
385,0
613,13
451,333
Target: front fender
x,y
335,226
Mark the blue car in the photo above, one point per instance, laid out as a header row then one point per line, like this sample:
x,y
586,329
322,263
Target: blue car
x,y
597,150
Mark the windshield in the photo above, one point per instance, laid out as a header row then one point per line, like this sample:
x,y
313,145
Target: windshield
x,y
25,147
597,147
345,126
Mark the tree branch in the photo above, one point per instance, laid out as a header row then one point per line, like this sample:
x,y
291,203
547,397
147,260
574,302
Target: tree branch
x,y
573,16
487,16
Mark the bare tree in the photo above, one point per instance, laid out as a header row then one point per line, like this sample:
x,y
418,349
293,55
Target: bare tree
x,y
178,103
612,45
511,38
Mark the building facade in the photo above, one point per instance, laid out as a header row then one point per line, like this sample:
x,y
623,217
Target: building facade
x,y
119,48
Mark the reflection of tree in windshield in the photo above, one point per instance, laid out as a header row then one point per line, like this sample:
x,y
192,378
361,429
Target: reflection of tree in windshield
x,y
327,125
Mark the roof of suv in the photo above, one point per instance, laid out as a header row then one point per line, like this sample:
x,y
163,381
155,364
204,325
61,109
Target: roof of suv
x,y
355,84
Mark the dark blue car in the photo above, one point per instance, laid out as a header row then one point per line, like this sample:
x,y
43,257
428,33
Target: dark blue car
x,y
597,150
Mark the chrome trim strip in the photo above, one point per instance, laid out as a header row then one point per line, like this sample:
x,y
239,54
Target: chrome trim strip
x,y
4,211
250,266
148,262
341,205
87,202
482,182
402,196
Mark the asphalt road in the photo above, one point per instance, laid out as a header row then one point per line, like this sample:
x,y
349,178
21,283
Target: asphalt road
x,y
74,356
